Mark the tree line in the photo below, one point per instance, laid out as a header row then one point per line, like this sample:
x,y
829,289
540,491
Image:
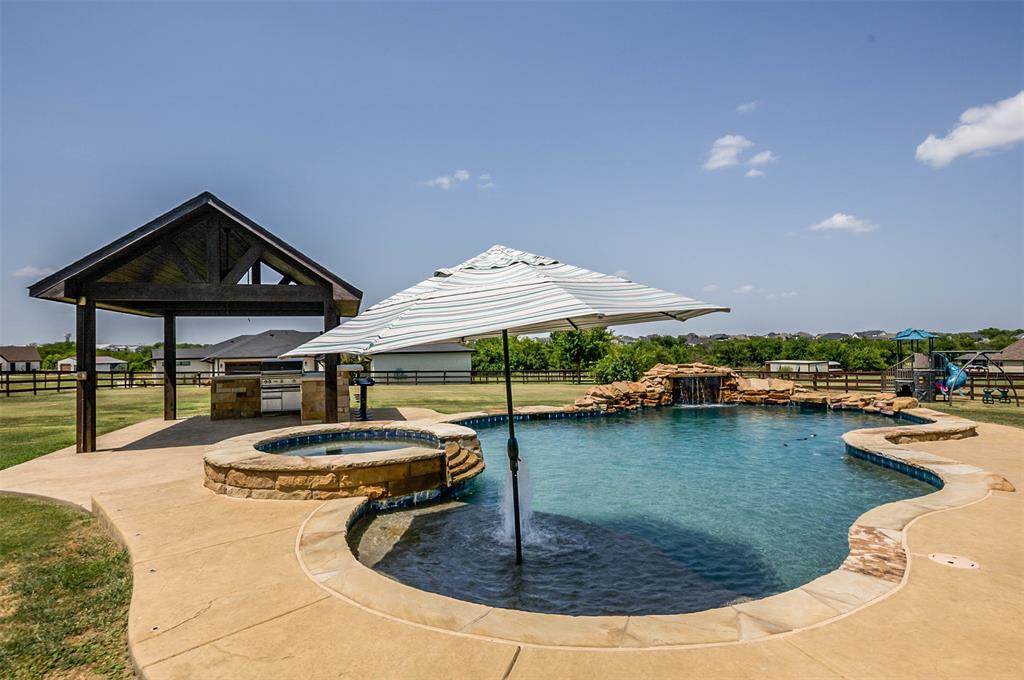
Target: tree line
x,y
611,359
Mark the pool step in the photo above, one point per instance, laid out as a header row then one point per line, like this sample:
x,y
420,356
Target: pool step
x,y
469,471
457,459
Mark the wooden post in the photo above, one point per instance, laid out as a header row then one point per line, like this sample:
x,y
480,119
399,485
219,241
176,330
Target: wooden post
x,y
85,356
330,367
170,368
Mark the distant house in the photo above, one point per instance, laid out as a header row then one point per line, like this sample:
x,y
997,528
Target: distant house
x,y
873,335
1011,359
19,358
833,336
718,336
431,362
103,365
802,366
115,347
187,359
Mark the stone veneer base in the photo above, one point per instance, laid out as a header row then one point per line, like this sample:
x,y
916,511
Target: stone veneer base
x,y
242,467
876,567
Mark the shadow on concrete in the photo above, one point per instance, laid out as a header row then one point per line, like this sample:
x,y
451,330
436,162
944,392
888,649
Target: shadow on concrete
x,y
201,431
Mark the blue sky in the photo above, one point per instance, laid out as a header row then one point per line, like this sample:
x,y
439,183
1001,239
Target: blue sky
x,y
586,132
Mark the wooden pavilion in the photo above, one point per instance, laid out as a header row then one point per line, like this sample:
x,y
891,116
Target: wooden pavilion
x,y
202,258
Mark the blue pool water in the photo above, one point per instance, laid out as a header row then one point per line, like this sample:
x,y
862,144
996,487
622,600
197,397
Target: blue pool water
x,y
661,511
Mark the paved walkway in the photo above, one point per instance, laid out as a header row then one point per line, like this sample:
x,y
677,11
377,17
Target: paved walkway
x,y
218,591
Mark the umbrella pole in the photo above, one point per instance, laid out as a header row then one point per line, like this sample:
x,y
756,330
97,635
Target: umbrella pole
x,y
513,449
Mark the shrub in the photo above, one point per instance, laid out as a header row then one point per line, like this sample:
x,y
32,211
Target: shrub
x,y
620,363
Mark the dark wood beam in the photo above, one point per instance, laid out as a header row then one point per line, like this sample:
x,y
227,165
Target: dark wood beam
x,y
213,273
243,265
256,273
330,368
184,264
156,293
85,393
170,368
285,280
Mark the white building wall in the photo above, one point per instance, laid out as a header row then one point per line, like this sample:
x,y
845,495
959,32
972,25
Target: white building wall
x,y
185,366
425,361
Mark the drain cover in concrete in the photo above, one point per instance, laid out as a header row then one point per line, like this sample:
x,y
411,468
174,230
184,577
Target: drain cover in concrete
x,y
953,561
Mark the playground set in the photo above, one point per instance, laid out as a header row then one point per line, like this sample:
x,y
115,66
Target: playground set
x,y
933,375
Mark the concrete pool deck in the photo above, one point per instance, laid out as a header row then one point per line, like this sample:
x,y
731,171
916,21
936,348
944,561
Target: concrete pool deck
x,y
219,592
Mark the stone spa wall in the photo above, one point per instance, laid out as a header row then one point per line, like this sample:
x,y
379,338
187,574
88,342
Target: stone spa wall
x,y
449,456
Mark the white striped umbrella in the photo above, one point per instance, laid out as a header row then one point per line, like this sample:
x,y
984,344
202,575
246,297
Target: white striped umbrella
x,y
498,292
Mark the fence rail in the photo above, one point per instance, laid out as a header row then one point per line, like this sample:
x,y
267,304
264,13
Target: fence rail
x,y
34,382
882,381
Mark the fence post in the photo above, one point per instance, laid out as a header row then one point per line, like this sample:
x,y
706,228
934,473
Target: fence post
x,y
970,384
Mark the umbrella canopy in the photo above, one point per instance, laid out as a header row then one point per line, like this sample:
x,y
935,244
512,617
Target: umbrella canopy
x,y
502,290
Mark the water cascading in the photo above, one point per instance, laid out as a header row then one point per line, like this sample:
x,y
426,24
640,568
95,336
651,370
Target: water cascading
x,y
508,525
697,390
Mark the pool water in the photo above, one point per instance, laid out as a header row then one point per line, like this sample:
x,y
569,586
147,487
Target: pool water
x,y
343,446
662,511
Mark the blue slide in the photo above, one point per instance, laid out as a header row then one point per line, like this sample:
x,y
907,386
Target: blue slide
x,y
952,381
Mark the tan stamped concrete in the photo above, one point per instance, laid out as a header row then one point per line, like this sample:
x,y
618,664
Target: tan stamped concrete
x,y
219,592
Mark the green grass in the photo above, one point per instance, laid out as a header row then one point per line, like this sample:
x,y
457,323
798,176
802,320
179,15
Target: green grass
x,y
1000,414
458,398
65,586
31,426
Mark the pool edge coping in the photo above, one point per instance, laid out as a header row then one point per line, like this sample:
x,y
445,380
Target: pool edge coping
x,y
876,567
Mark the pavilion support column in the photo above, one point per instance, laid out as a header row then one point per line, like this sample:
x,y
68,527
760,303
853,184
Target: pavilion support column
x,y
330,367
85,356
170,368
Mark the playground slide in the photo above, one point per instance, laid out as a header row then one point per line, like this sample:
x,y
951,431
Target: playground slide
x,y
953,381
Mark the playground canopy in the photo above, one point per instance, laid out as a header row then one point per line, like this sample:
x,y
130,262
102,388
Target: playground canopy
x,y
914,334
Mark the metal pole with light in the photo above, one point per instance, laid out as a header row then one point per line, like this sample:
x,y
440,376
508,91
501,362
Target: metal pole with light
x,y
513,448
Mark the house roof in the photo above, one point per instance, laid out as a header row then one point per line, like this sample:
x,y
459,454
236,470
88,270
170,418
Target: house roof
x,y
165,266
1014,352
19,353
432,348
266,345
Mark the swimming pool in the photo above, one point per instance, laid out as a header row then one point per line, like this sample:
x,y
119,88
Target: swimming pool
x,y
663,511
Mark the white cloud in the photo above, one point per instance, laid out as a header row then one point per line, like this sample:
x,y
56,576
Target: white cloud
x,y
745,288
484,181
754,172
763,158
982,129
790,294
711,288
443,182
446,182
747,107
621,273
844,222
30,271
725,151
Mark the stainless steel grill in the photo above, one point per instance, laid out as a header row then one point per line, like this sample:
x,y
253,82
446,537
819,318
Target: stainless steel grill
x,y
280,391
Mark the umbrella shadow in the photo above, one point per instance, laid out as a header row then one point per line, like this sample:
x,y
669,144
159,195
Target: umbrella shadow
x,y
570,567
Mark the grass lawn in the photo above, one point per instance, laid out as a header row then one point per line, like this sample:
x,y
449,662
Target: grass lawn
x,y
64,592
33,425
458,398
1000,414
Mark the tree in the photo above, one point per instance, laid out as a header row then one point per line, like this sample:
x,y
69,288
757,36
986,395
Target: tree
x,y
577,350
620,363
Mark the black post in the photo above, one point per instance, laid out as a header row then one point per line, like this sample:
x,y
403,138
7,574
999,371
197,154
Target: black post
x,y
513,449
330,366
170,368
85,357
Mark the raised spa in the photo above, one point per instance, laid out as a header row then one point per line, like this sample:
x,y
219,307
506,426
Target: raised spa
x,y
339,443
664,511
